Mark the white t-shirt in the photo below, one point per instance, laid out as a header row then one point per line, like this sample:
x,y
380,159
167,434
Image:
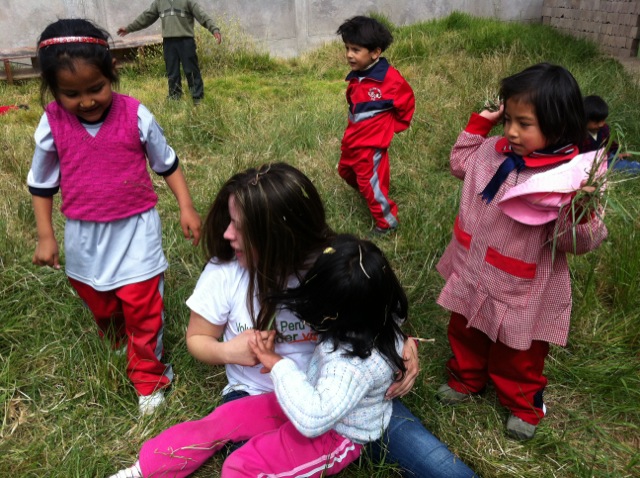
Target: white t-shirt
x,y
220,297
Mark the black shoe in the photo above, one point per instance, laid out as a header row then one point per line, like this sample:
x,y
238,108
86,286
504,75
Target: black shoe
x,y
380,232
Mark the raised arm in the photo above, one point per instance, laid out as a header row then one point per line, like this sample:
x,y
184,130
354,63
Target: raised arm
x,y
468,142
144,20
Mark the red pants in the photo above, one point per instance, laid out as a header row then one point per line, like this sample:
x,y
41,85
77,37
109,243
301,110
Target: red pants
x,y
367,170
516,374
134,311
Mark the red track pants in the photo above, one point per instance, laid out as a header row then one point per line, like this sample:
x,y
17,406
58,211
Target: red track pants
x,y
134,311
516,374
367,170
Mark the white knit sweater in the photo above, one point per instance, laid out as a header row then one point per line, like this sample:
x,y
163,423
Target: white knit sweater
x,y
345,394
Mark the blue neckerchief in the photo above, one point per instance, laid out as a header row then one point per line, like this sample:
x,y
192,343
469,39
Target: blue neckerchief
x,y
539,158
513,161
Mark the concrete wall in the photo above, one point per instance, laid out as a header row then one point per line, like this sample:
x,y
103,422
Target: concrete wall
x,y
612,24
285,27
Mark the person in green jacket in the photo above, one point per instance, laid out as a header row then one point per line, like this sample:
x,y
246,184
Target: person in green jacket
x,y
178,41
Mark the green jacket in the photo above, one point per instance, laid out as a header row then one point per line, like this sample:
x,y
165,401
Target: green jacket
x,y
177,18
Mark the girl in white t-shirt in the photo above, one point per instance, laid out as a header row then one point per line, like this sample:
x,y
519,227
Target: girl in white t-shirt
x,y
265,228
315,423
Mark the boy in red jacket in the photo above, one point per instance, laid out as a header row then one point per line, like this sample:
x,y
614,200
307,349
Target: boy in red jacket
x,y
381,103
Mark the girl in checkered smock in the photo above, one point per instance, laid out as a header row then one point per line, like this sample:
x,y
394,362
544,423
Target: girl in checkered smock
x,y
507,279
93,145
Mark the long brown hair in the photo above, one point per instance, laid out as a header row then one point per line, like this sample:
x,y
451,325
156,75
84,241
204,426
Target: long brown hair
x,y
283,226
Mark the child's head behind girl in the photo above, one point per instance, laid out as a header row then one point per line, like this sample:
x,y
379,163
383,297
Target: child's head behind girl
x,y
77,67
543,108
351,296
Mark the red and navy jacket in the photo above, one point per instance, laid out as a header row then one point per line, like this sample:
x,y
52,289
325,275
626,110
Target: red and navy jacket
x,y
602,138
381,103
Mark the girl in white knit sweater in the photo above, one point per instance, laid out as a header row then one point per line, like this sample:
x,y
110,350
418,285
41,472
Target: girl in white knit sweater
x,y
314,423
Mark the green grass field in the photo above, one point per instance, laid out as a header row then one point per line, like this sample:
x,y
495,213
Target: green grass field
x,y
68,409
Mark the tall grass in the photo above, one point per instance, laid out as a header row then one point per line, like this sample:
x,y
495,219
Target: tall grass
x,y
67,406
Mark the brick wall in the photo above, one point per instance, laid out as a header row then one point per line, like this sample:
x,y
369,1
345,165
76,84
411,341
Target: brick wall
x,y
611,24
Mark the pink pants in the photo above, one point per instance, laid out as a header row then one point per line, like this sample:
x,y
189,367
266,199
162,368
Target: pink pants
x,y
367,170
516,374
134,312
275,448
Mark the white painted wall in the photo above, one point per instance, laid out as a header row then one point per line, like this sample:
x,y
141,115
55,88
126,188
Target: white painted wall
x,y
284,27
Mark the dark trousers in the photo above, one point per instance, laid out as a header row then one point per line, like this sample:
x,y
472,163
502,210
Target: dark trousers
x,y
182,51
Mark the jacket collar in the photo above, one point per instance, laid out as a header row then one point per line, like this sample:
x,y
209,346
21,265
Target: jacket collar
x,y
377,72
542,157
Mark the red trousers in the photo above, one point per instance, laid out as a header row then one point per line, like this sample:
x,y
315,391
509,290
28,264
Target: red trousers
x,y
516,374
135,312
367,170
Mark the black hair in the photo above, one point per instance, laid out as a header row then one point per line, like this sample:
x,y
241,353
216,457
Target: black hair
x,y
595,108
352,296
555,95
54,58
282,223
366,32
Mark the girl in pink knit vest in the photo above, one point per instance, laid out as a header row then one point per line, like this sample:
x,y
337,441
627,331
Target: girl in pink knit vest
x,y
93,145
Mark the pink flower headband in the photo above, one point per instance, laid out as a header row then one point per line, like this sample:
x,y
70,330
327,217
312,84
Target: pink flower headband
x,y
60,40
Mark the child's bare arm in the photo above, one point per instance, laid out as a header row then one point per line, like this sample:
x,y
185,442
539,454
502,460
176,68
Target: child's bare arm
x,y
189,218
46,253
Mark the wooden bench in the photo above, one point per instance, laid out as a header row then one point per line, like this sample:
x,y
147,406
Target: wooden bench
x,y
23,64
19,65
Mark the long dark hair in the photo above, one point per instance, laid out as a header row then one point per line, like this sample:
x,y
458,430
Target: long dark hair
x,y
365,31
555,95
282,223
54,58
352,296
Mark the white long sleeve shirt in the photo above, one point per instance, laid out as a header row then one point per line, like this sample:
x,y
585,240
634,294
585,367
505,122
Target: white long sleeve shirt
x,y
342,393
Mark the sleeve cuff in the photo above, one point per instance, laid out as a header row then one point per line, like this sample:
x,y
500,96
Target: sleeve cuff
x,y
479,125
171,170
44,192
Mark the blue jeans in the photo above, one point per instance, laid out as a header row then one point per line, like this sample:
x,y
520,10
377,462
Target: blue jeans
x,y
624,165
407,443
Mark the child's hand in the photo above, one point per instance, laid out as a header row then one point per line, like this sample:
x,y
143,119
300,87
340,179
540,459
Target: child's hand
x,y
494,116
190,223
264,349
46,253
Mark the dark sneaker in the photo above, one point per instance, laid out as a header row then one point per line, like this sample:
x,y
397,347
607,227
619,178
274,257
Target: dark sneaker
x,y
449,396
519,429
380,232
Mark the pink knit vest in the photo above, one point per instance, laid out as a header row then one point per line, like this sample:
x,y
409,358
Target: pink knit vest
x,y
105,178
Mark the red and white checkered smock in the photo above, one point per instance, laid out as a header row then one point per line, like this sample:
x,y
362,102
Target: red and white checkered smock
x,y
499,273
